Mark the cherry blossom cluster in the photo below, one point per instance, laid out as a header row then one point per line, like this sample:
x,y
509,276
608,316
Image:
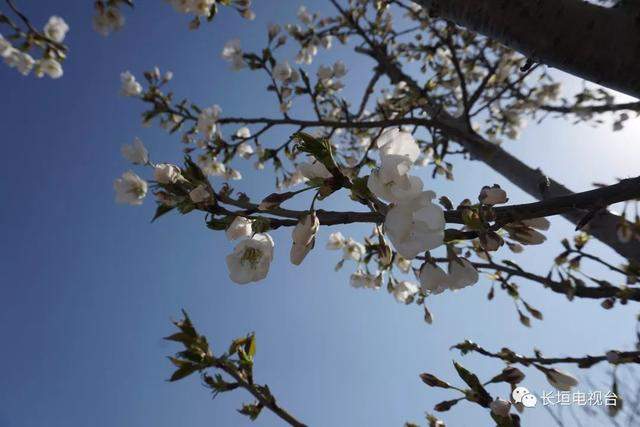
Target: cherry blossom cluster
x,y
49,41
475,93
207,9
108,18
413,222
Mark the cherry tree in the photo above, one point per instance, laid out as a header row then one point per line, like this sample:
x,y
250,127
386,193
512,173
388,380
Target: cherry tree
x,y
436,93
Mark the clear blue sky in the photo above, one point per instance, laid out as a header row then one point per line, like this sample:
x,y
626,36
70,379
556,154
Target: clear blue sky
x,y
89,287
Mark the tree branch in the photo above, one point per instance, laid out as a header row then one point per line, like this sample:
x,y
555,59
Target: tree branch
x,y
266,400
530,180
509,356
566,288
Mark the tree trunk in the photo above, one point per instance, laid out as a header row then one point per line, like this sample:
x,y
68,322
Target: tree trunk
x,y
592,42
603,225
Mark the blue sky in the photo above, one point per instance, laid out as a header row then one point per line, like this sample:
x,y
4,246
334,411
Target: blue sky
x,y
89,287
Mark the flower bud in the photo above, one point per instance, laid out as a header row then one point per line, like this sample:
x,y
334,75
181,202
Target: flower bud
x,y
199,194
500,407
612,356
491,241
512,375
537,223
527,236
493,195
166,173
561,380
304,237
240,227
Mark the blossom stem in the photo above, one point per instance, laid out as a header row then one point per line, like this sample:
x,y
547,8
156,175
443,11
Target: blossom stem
x,y
265,398
509,356
566,288
599,198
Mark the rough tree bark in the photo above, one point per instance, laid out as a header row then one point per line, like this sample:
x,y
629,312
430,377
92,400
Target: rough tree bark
x,y
595,43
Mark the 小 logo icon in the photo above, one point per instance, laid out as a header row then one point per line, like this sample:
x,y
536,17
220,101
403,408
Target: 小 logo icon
x,y
522,395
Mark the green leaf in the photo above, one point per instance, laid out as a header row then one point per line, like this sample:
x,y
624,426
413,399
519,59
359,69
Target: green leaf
x,y
252,346
183,372
252,410
162,210
179,337
192,171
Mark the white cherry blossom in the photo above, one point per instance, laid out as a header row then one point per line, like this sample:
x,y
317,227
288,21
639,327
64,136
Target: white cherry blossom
x,y
398,150
130,87
353,250
211,166
304,237
327,41
304,16
199,194
391,181
360,279
5,47
403,290
245,150
251,259
232,52
243,133
282,71
325,72
313,170
56,29
339,69
50,67
248,14
208,121
403,264
336,241
294,179
232,174
108,20
240,227
433,279
415,226
166,173
462,274
22,61
397,190
306,54
135,152
130,188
